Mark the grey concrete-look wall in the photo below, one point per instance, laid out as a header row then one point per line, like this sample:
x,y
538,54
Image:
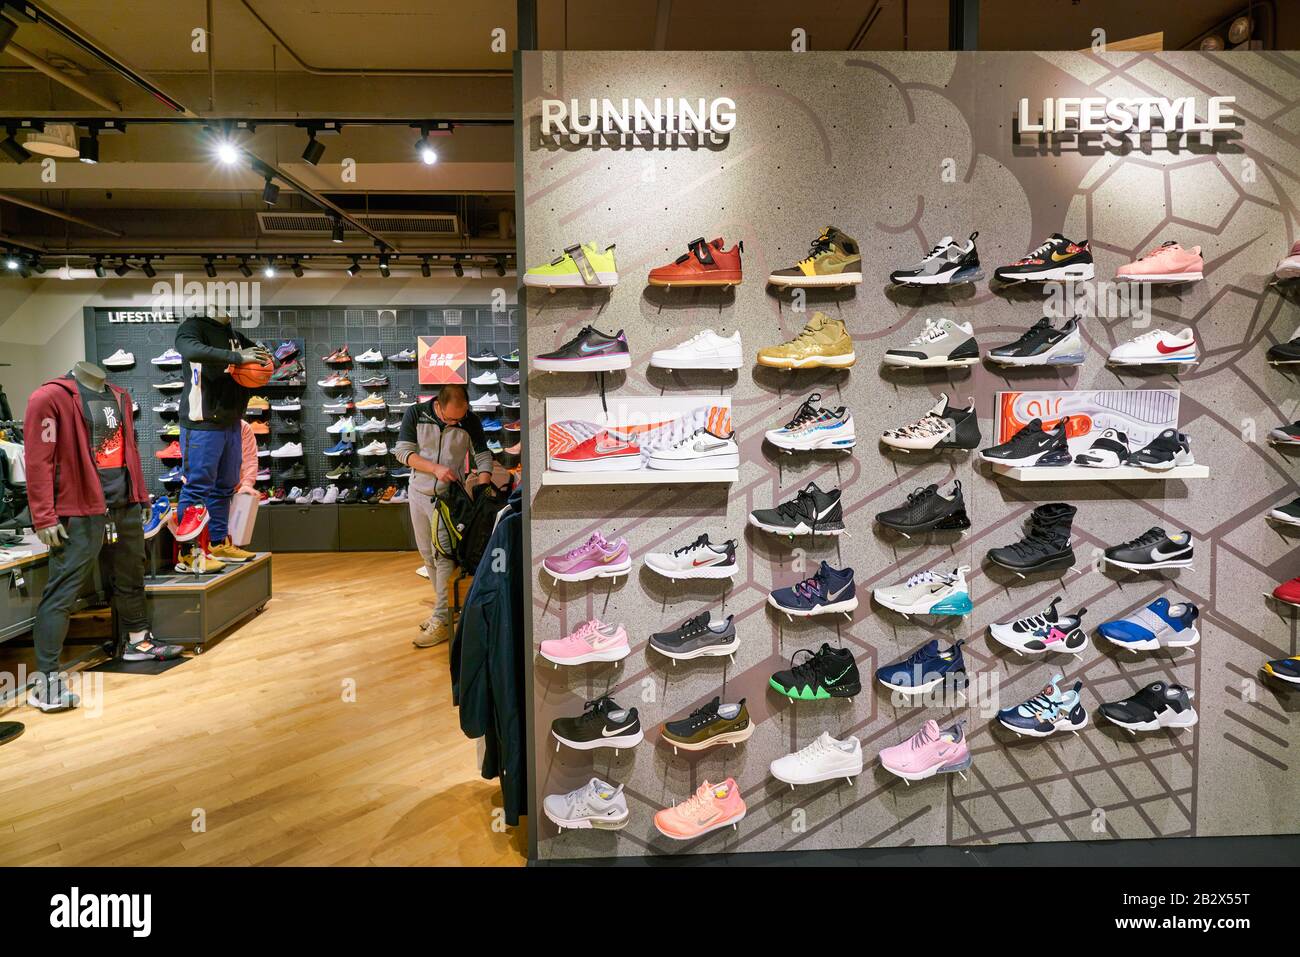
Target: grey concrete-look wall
x,y
860,142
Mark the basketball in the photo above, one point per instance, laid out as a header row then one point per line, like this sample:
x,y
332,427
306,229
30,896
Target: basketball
x,y
251,375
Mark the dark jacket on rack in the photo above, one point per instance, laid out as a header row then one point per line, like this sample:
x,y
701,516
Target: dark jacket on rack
x,y
487,662
62,480
212,399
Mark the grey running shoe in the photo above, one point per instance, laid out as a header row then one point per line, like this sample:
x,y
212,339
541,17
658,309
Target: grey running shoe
x,y
697,637
947,263
595,804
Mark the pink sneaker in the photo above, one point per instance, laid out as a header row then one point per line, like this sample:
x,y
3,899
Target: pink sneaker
x,y
709,808
929,752
1289,268
591,641
1168,262
594,558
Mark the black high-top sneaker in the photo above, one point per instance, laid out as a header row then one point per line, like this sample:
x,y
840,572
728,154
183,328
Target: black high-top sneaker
x,y
1033,445
811,511
1046,545
928,508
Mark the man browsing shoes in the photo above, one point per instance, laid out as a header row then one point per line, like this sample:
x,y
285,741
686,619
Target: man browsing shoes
x,y
442,442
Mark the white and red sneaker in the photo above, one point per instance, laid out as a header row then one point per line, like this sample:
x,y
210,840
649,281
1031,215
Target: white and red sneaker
x,y
602,452
1156,347
192,523
591,641
1289,268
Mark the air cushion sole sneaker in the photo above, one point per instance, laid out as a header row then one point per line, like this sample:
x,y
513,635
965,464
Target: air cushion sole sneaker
x,y
1186,638
708,651
610,363
588,823
613,741
1077,272
587,574
834,608
839,279
958,604
958,678
954,768
966,274
809,362
738,736
1162,277
1062,354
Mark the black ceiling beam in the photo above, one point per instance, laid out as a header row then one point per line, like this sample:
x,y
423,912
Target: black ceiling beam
x,y
963,24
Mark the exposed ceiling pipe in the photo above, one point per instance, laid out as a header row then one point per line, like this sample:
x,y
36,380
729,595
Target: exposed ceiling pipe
x,y
41,65
353,71
59,214
23,244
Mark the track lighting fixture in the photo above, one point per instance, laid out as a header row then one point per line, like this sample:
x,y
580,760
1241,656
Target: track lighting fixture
x,y
269,269
458,269
355,268
147,267
270,192
227,152
12,262
122,268
210,267
425,271
383,265
88,148
501,267
243,267
297,269
315,149
336,230
99,267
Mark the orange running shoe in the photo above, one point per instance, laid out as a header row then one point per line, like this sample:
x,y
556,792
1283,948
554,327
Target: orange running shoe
x,y
711,807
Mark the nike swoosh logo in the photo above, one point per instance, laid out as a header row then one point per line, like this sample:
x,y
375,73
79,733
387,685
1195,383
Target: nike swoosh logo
x,y
831,596
708,820
1178,550
605,732
1166,350
708,561
1057,257
612,449
836,679
586,348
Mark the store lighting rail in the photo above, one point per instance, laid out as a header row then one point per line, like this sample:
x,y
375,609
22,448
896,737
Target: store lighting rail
x,y
1080,473
642,477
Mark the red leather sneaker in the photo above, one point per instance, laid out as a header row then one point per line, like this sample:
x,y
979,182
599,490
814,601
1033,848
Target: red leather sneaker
x,y
194,521
600,453
704,264
1288,592
170,451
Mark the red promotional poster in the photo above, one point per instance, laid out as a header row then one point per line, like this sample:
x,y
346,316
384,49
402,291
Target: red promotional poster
x,y
442,359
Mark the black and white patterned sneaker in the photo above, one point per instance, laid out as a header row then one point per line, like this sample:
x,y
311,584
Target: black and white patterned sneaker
x,y
1156,706
948,263
1043,345
811,511
1167,450
1108,451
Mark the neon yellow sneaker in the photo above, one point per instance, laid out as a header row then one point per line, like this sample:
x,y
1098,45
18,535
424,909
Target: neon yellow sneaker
x,y
833,260
823,342
583,265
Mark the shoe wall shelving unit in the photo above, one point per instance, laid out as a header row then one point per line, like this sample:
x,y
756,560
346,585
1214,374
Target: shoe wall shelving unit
x,y
1080,473
642,477
862,141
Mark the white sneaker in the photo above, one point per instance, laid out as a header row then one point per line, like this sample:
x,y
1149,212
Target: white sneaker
x,y
704,350
293,494
317,496
700,450
1156,346
373,425
331,495
486,403
824,760
928,593
290,450
303,499
341,426
700,559
374,448
120,359
370,355
486,378
401,497
170,357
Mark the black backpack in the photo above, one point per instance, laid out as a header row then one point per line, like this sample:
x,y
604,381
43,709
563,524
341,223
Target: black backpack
x,y
477,527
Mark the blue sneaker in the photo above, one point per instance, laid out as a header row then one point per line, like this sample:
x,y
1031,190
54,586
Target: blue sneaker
x,y
1047,712
341,447
491,425
830,590
1158,625
172,476
286,350
924,668
158,512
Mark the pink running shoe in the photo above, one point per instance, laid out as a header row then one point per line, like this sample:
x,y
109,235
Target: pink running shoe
x,y
929,752
1168,262
1289,268
591,641
594,558
709,808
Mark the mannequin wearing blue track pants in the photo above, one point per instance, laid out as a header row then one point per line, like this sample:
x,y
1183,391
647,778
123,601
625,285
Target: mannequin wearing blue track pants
x,y
211,463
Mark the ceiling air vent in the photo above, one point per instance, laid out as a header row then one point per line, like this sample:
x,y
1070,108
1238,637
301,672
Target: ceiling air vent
x,y
395,224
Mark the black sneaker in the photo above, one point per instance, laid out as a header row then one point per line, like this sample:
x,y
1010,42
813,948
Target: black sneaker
x,y
1108,451
1288,514
589,351
171,382
1154,548
149,649
372,472
1056,260
1046,545
811,511
289,427
825,673
294,473
697,637
710,725
602,724
1042,345
1284,353
928,508
1285,434
1167,450
1156,706
1032,445
949,262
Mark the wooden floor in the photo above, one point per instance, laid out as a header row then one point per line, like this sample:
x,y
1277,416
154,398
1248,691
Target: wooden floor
x,y
255,737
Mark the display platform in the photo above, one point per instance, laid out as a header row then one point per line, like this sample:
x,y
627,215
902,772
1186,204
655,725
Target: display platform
x,y
1080,473
195,610
640,477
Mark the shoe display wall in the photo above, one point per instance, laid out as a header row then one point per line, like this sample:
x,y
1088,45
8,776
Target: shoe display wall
x,y
1111,359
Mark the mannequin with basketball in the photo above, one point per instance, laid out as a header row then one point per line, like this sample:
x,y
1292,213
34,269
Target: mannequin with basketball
x,y
219,360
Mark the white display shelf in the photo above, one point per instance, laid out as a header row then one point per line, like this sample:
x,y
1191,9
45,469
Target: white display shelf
x,y
641,477
1081,473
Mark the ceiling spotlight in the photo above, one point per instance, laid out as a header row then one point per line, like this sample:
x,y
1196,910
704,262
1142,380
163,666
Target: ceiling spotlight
x,y
12,262
424,149
297,269
147,268
355,267
458,269
58,140
269,269
122,268
99,267
13,149
424,267
227,152
243,267
210,267
383,265
270,192
315,149
336,231
501,267
88,148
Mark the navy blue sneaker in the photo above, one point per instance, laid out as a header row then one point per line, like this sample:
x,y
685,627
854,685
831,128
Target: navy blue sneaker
x,y
830,590
491,425
341,447
1047,712
924,668
1158,625
171,476
158,512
